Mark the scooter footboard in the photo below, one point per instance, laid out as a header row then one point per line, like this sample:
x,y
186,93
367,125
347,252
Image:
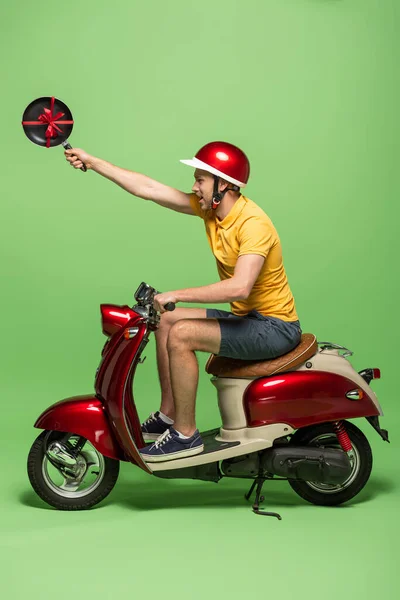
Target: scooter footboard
x,y
83,415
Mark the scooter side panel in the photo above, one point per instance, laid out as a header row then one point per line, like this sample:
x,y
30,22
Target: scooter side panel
x,y
114,386
303,398
83,415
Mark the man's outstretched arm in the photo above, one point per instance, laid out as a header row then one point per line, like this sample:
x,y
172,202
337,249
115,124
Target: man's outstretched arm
x,y
135,183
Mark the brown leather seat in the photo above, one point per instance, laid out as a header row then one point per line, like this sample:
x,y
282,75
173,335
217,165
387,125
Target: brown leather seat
x,y
233,367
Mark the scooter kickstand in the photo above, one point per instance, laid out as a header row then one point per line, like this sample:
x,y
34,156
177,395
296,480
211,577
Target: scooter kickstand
x,y
260,482
249,493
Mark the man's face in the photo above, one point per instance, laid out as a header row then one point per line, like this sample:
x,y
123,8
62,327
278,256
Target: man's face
x,y
203,188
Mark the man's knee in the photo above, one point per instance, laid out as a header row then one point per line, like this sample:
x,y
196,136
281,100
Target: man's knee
x,y
169,318
180,333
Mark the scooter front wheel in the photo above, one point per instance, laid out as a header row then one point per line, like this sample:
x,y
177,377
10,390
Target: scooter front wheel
x,y
70,483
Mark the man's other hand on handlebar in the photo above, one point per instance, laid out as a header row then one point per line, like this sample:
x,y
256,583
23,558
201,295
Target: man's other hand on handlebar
x,y
160,300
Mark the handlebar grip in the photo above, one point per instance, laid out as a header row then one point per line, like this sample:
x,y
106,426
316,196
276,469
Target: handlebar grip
x,y
170,306
68,146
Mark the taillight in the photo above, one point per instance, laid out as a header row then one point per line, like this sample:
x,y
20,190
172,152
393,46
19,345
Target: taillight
x,y
370,374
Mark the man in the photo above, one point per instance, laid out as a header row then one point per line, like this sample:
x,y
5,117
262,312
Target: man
x,y
263,323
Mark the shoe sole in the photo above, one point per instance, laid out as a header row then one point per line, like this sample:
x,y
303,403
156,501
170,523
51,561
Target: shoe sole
x,y
173,455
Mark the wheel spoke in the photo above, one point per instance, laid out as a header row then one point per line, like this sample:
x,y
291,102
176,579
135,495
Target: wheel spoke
x,y
91,457
70,485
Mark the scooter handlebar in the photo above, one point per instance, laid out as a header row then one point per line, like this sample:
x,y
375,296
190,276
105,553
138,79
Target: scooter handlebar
x,y
170,306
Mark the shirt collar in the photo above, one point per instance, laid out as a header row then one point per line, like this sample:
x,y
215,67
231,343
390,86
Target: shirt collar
x,y
232,214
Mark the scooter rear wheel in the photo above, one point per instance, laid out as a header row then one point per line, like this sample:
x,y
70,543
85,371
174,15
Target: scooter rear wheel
x,y
324,436
93,479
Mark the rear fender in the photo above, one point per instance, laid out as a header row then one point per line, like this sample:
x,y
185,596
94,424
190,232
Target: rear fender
x,y
83,415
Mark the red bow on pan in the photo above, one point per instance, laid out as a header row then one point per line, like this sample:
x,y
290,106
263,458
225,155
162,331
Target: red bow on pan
x,y
52,122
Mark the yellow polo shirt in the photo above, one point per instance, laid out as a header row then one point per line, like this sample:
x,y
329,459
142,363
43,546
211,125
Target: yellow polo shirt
x,y
246,229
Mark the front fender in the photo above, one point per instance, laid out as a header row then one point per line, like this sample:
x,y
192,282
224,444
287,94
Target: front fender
x,y
83,415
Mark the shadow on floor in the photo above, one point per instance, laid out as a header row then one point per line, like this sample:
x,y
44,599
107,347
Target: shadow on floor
x,y
150,493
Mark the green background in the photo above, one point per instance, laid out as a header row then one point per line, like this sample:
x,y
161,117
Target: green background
x,y
309,89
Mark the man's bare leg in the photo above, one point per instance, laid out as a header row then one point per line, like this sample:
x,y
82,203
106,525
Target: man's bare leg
x,y
185,337
167,320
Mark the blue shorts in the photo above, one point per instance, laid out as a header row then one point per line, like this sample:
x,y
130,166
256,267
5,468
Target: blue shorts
x,y
254,336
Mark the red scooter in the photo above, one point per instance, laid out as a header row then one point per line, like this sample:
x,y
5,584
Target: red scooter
x,y
281,418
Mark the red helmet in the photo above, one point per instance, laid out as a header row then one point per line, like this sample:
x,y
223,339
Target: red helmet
x,y
222,159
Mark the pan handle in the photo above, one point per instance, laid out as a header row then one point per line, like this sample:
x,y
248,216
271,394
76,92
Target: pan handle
x,y
68,146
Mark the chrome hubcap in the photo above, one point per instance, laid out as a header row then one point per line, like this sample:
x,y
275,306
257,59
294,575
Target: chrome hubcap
x,y
329,440
71,480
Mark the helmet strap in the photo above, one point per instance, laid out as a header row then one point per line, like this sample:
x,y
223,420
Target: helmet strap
x,y
217,195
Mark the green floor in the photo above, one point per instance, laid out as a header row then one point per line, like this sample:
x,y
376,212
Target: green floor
x,y
196,539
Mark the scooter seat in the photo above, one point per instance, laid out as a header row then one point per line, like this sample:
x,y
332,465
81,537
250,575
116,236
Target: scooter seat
x,y
233,367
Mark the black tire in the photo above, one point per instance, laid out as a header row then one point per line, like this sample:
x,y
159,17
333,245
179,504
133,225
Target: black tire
x,y
53,494
332,495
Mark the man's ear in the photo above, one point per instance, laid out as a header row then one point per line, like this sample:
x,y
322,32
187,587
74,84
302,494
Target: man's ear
x,y
223,185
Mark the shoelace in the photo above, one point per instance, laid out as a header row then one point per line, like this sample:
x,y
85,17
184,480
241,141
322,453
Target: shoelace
x,y
151,418
165,437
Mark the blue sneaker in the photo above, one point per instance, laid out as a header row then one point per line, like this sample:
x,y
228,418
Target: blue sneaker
x,y
170,446
153,427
